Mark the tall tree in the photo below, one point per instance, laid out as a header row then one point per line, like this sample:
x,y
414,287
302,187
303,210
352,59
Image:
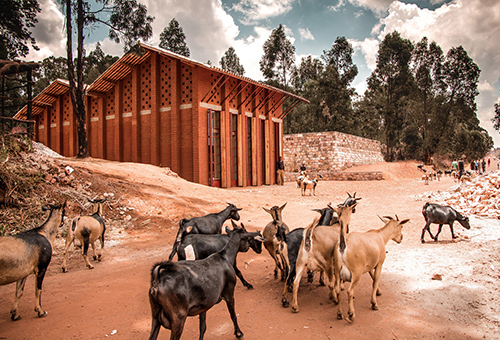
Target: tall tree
x,y
231,62
172,38
127,21
279,56
427,67
391,82
340,57
309,69
16,19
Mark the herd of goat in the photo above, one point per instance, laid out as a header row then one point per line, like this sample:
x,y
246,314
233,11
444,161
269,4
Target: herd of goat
x,y
206,268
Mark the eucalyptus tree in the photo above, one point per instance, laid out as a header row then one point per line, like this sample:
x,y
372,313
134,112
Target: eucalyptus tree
x,y
309,69
172,38
127,21
427,67
231,62
278,59
390,85
340,57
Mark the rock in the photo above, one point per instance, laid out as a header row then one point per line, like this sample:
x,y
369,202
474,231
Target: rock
x,y
437,276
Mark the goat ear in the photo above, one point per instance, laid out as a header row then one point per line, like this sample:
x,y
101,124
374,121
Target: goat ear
x,y
45,208
242,226
260,238
267,211
404,221
189,228
357,198
317,210
348,194
283,206
385,219
228,230
234,224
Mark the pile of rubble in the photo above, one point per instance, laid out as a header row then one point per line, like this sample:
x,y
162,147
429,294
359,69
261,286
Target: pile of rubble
x,y
480,196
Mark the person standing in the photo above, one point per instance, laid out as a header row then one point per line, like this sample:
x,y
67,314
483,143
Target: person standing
x,y
461,168
303,167
280,171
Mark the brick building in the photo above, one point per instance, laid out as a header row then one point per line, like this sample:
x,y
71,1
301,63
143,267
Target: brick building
x,y
208,125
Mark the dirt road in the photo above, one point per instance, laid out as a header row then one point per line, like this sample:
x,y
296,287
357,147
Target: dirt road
x,y
111,301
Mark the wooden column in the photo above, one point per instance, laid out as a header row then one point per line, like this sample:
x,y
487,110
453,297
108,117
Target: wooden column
x,y
155,108
118,142
136,102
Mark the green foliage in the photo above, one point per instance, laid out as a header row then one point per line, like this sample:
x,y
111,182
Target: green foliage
x,y
279,56
230,62
419,103
17,17
172,38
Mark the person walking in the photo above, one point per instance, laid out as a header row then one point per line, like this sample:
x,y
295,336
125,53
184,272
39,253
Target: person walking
x,y
280,171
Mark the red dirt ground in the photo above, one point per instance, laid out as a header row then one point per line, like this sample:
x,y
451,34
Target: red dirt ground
x,y
111,300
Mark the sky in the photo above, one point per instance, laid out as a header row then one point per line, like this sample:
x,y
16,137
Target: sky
x,y
212,26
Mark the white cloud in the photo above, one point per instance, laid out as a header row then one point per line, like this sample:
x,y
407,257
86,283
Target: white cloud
x,y
337,7
379,7
305,34
369,48
49,32
250,51
256,10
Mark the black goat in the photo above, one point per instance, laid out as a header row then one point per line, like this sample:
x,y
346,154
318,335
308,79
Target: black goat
x,y
208,224
440,214
29,252
199,246
189,288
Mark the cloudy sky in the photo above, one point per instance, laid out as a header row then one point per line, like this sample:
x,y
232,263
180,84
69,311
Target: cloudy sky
x,y
212,26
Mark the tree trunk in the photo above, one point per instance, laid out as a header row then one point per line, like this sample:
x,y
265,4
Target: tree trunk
x,y
81,112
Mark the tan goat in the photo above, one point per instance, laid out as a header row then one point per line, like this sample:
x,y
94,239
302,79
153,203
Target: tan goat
x,y
87,230
310,184
317,251
272,245
361,252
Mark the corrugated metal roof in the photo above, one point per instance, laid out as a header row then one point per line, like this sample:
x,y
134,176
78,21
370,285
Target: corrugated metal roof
x,y
45,98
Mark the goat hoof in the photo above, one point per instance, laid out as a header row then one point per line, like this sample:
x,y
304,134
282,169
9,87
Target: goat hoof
x,y
339,316
239,334
91,267
15,316
379,293
285,303
41,315
422,240
295,309
64,269
374,307
249,286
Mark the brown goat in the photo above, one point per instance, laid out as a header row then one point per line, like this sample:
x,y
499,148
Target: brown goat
x,y
361,252
87,230
29,252
272,245
317,252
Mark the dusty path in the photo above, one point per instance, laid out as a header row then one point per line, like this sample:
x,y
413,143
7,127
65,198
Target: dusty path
x,y
111,300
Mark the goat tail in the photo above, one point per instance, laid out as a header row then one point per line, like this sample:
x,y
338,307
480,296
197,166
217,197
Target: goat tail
x,y
75,222
178,238
425,207
309,232
342,241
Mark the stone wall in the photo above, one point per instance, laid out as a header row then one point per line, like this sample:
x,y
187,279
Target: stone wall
x,y
326,152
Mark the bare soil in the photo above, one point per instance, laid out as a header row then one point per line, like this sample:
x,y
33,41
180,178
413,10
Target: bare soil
x,y
111,301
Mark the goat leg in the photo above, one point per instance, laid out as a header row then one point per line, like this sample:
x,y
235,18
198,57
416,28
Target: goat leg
x,y
38,293
438,232
19,293
203,324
